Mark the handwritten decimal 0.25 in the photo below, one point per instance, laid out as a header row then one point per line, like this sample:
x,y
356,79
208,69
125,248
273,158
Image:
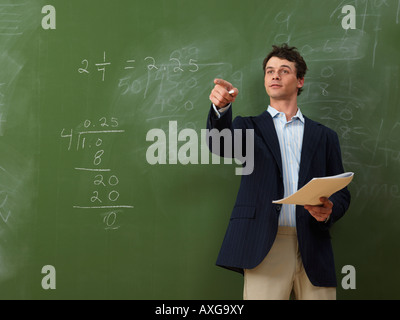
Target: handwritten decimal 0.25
x,y
103,122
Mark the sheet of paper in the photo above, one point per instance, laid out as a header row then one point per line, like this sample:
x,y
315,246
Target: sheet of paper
x,y
316,188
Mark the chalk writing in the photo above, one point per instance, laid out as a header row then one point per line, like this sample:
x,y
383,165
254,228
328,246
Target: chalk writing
x,y
105,193
377,190
164,87
2,106
10,19
4,211
102,66
176,64
338,95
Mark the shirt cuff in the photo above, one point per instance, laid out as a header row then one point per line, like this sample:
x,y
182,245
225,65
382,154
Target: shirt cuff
x,y
220,112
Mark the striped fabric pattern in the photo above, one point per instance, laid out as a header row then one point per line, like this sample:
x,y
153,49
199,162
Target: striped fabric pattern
x,y
290,136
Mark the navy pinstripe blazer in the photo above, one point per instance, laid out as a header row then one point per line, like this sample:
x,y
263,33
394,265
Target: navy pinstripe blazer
x,y
254,220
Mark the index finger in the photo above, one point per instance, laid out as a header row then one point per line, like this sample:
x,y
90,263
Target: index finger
x,y
227,85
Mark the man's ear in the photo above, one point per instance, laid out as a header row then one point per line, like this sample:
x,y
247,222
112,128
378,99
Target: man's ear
x,y
300,83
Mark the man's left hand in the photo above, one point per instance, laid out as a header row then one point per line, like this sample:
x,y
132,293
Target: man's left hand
x,y
321,212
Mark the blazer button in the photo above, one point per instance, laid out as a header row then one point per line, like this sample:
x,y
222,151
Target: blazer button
x,y
278,207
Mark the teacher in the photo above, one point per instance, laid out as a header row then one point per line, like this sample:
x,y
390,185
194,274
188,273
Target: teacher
x,y
282,250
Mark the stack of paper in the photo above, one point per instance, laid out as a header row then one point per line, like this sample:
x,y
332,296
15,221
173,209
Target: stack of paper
x,y
317,188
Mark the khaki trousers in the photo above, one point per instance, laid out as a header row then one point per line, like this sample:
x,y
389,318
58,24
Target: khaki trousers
x,y
281,273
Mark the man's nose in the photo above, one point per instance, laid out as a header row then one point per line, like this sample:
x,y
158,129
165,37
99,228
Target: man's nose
x,y
276,76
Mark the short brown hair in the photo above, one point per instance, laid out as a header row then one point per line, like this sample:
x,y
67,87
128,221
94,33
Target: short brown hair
x,y
290,54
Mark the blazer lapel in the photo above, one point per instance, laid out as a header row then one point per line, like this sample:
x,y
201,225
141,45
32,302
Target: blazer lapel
x,y
312,136
265,124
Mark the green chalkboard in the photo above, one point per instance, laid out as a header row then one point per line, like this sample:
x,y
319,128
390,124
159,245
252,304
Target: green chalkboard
x,y
82,84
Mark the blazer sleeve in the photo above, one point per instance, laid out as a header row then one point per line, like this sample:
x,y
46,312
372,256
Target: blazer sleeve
x,y
222,128
219,123
340,199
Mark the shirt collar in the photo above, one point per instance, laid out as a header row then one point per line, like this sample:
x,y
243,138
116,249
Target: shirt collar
x,y
273,112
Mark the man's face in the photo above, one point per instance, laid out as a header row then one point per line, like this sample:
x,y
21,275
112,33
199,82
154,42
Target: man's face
x,y
280,79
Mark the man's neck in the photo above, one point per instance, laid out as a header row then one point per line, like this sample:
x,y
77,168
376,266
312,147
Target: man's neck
x,y
288,107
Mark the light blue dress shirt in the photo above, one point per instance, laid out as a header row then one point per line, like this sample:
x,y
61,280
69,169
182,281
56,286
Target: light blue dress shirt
x,y
290,136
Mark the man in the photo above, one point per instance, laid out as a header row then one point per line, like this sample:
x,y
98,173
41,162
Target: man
x,y
281,249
